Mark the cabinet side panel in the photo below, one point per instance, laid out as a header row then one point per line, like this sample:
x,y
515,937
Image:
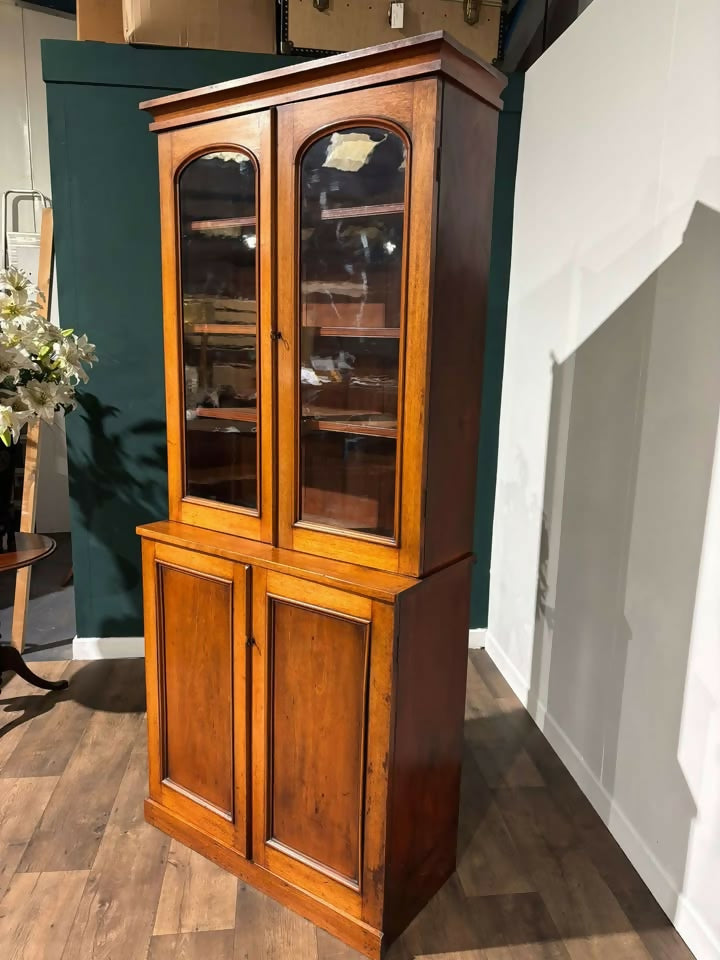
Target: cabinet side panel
x,y
428,742
467,171
196,653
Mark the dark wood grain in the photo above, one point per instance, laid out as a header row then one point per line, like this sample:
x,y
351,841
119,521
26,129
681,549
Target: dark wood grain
x,y
457,335
196,631
426,755
319,720
375,584
29,548
431,54
197,657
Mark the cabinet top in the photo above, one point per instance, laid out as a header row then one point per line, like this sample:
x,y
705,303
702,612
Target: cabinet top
x,y
430,54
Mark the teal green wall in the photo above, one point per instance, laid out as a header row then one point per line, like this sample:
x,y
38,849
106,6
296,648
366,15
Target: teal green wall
x,y
104,182
506,166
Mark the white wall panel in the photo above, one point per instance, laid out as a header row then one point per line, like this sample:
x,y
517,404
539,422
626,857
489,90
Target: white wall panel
x,y
604,601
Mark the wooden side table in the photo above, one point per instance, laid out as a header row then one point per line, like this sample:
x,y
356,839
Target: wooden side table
x,y
29,548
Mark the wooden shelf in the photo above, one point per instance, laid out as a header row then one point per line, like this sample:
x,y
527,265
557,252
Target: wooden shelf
x,y
385,333
332,420
201,225
245,414
214,475
363,428
372,210
248,329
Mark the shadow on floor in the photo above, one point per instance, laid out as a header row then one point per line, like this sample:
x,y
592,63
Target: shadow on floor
x,y
106,686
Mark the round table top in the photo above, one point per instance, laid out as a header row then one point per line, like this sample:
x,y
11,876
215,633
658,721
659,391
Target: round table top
x,y
29,548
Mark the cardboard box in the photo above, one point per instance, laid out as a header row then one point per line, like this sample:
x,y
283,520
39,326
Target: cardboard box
x,y
243,25
343,26
100,20
247,26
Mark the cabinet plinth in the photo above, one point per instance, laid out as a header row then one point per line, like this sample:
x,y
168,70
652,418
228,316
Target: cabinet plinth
x,y
325,245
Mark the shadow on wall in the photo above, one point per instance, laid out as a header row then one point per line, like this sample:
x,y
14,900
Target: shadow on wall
x,y
631,445
106,492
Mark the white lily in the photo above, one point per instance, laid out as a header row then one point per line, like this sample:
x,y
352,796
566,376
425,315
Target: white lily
x,y
40,365
43,398
11,423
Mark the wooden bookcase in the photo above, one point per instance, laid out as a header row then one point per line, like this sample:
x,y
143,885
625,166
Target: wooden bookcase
x,y
325,241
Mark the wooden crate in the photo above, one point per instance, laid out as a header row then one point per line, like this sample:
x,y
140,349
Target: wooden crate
x,y
349,26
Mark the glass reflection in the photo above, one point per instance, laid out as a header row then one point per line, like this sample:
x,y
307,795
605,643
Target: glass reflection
x,y
218,270
352,233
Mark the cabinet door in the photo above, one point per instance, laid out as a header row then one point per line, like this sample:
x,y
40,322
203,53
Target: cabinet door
x,y
321,676
356,188
196,630
216,214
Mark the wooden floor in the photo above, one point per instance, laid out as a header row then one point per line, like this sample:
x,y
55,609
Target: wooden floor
x,y
82,877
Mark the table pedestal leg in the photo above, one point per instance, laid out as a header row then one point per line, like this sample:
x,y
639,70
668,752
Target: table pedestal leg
x,y
11,659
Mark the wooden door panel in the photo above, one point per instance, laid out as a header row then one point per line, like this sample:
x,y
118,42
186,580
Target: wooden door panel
x,y
196,628
197,653
313,704
318,723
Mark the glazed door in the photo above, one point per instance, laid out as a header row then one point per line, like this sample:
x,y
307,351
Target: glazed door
x,y
356,199
196,630
217,214
321,673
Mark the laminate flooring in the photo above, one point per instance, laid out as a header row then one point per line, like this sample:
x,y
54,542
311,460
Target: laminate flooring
x,y
83,877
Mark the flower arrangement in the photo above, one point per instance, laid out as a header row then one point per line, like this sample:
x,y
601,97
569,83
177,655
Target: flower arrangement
x,y
40,364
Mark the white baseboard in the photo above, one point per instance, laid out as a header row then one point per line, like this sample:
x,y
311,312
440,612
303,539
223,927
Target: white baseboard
x,y
686,919
477,638
107,648
507,668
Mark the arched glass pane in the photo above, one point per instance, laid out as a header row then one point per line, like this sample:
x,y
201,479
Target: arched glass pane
x,y
218,250
352,196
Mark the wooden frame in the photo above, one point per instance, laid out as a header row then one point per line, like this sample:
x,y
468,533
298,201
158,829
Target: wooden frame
x,y
251,134
411,110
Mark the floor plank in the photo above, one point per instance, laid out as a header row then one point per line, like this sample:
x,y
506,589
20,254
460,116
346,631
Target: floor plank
x,y
490,864
205,945
445,927
20,704
517,927
249,925
70,832
37,912
330,948
52,737
22,804
116,913
196,894
264,928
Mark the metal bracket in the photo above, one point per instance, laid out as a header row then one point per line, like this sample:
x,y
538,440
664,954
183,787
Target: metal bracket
x,y
35,195
471,12
321,4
